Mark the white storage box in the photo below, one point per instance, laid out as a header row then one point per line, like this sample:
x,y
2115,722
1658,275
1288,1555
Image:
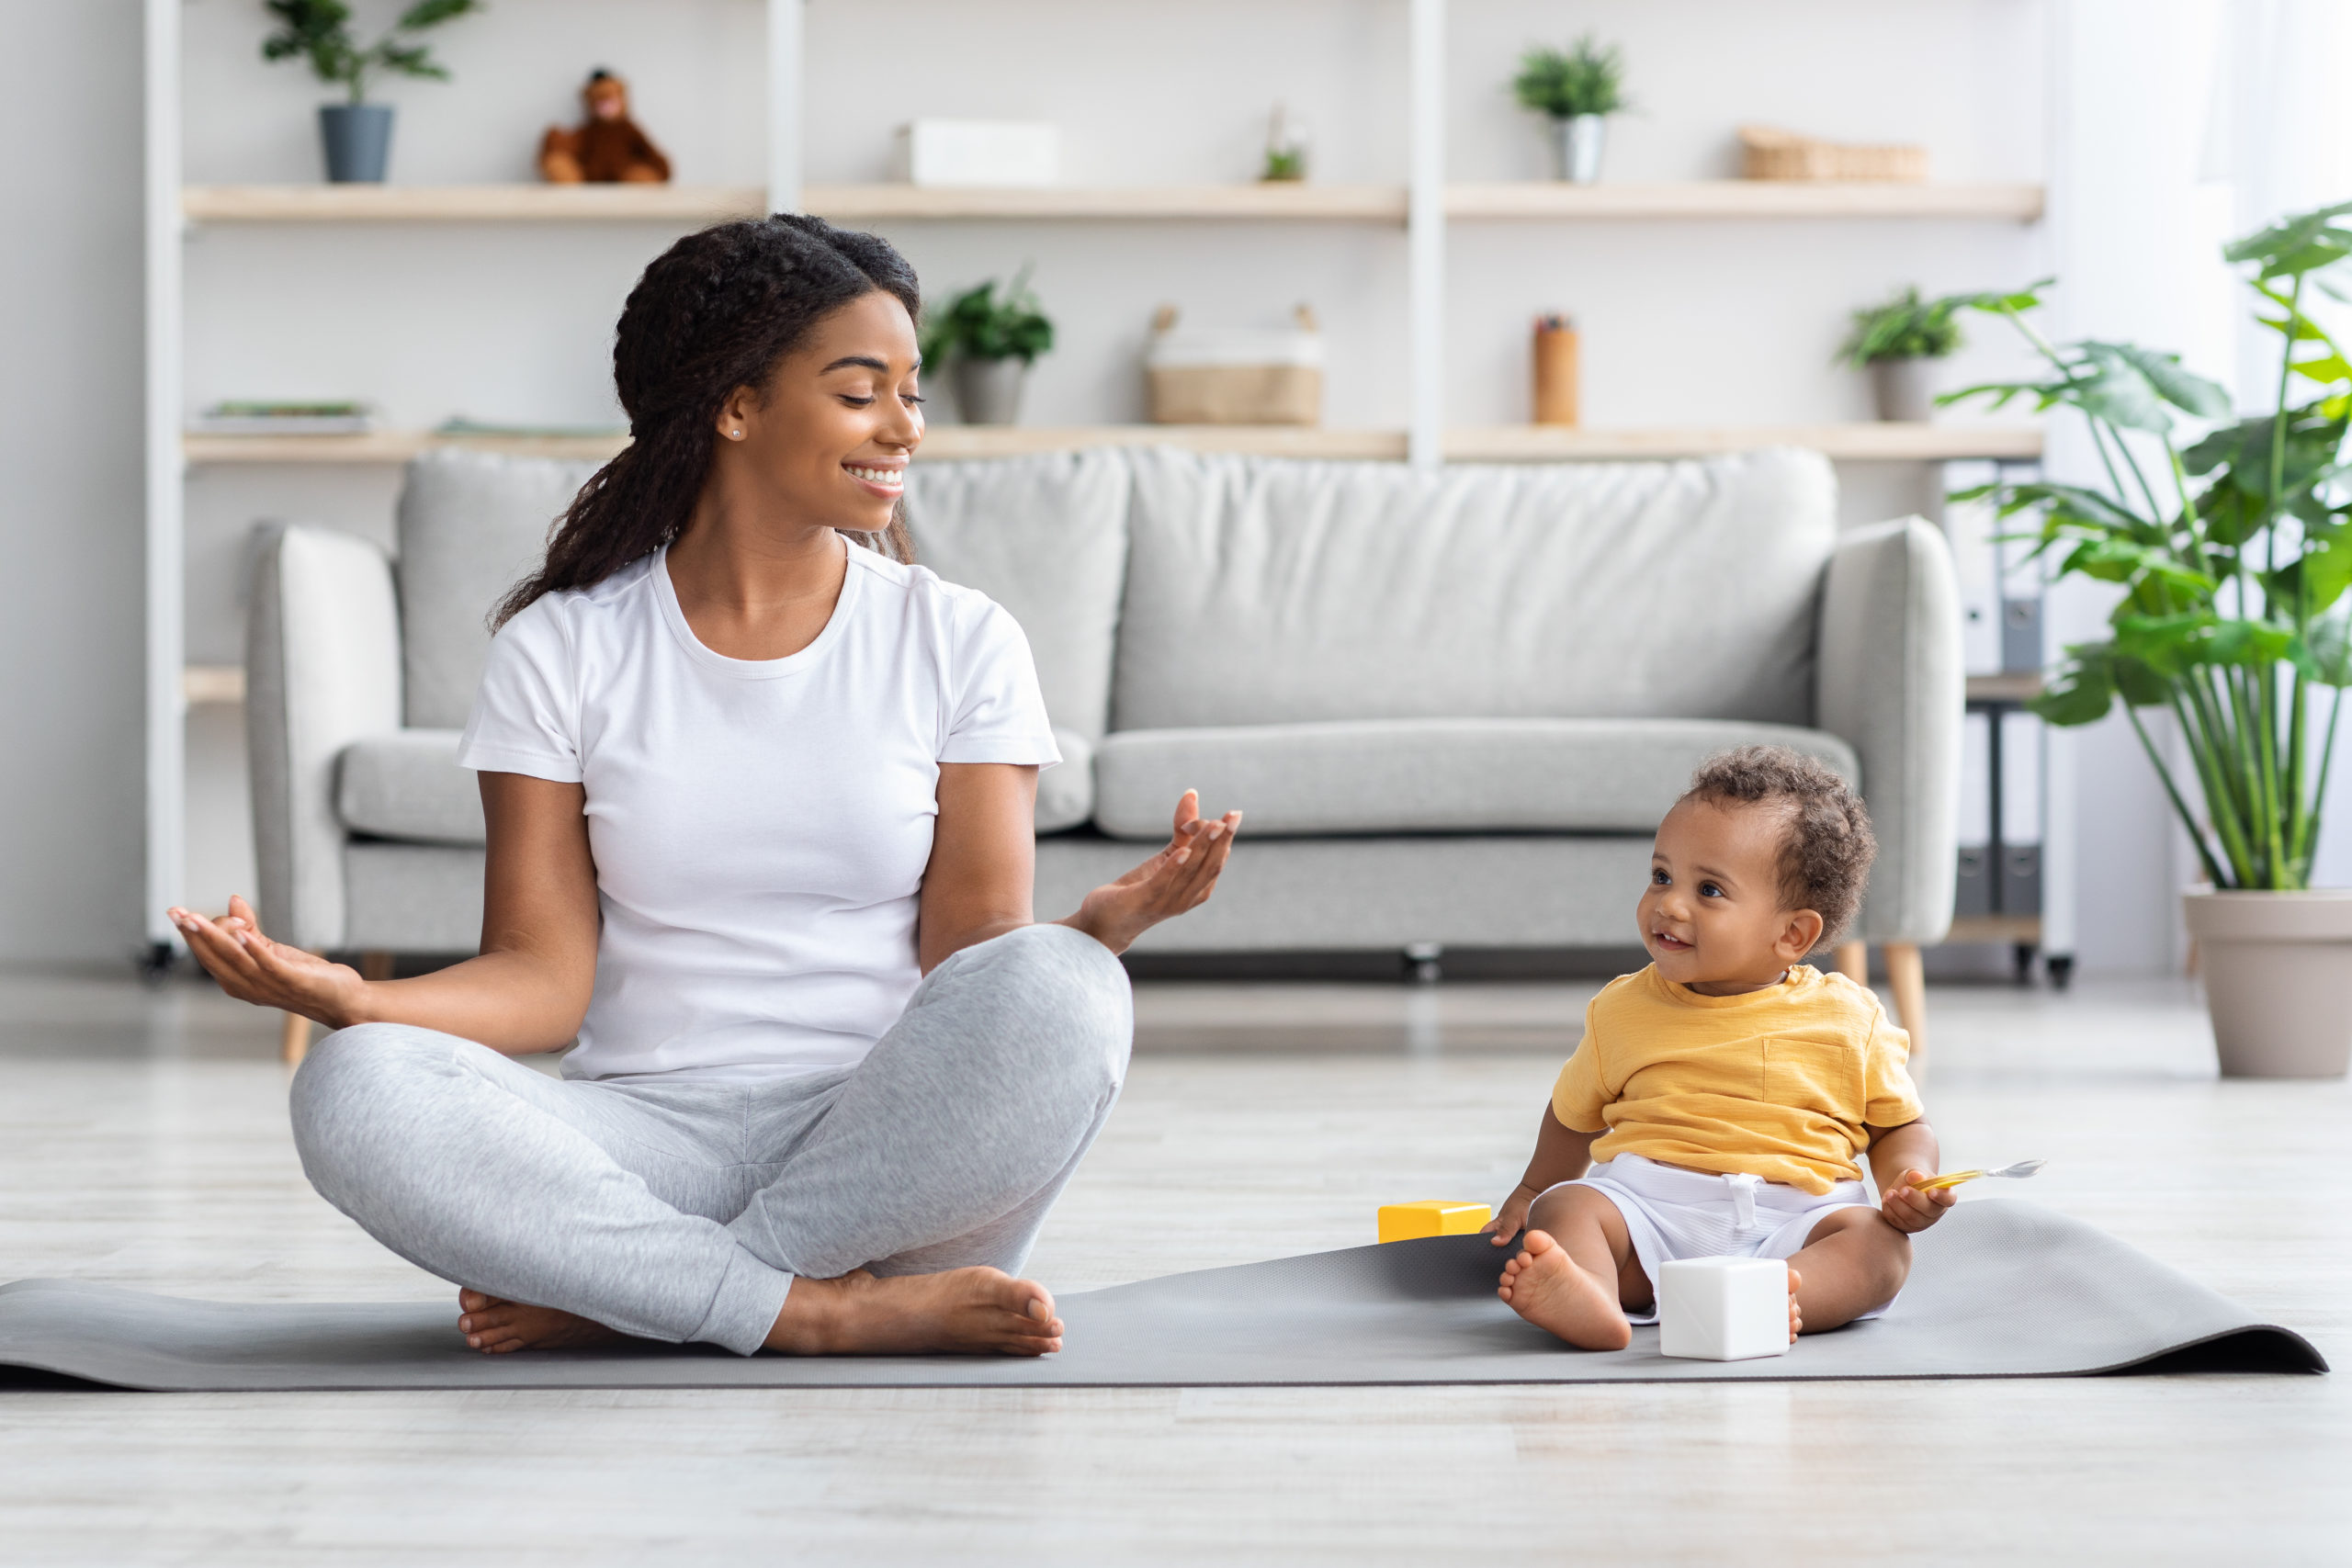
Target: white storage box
x,y
982,153
1723,1309
1235,375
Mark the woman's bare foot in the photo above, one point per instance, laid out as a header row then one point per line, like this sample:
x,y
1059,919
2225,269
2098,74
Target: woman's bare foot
x,y
1544,1286
973,1310
495,1326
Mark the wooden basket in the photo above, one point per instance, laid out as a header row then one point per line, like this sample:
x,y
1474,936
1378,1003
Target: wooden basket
x,y
1770,155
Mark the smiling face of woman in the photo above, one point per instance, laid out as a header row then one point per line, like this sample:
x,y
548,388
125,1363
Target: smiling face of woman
x,y
828,439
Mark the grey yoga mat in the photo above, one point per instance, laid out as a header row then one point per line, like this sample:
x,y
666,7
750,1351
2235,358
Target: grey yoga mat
x,y
2000,1288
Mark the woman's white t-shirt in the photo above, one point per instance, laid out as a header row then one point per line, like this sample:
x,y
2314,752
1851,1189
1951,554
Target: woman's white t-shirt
x,y
759,828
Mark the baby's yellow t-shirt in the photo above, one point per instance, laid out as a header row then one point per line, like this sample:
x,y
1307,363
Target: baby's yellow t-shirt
x,y
1783,1083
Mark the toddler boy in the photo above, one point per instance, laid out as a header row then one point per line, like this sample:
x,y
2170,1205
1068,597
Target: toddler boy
x,y
1728,1088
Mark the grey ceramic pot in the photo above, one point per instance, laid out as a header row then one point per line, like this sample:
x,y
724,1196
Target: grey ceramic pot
x,y
2277,974
1902,391
1577,146
359,140
987,392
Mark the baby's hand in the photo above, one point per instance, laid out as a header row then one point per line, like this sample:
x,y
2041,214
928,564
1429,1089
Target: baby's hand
x,y
1508,1223
1911,1211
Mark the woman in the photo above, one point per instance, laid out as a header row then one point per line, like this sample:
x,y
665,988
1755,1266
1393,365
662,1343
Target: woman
x,y
759,804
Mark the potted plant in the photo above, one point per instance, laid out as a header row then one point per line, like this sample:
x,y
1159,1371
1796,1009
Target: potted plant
x,y
990,341
2232,553
1894,343
1577,89
357,134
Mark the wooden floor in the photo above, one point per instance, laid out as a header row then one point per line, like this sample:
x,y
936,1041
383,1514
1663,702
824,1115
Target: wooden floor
x,y
142,1141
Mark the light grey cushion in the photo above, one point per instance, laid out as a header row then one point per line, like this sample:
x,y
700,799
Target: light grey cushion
x,y
322,662
413,898
1340,895
1066,794
1427,775
1271,591
1892,684
1045,537
408,785
471,525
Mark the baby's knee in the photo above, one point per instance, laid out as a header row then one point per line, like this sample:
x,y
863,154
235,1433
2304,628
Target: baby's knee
x,y
1557,1208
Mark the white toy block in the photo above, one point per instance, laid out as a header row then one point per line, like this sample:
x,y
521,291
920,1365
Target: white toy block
x,y
1723,1309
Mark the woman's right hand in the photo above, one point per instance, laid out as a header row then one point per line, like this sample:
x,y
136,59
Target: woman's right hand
x,y
252,968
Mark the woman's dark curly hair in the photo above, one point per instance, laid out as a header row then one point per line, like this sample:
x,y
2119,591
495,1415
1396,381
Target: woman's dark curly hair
x,y
1826,849
715,311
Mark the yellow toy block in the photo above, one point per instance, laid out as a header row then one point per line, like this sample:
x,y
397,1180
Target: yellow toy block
x,y
1403,1222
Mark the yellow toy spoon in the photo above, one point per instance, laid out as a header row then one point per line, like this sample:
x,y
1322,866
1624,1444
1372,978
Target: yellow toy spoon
x,y
2023,1168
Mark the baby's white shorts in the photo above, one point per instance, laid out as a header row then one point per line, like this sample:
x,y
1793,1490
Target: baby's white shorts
x,y
1671,1212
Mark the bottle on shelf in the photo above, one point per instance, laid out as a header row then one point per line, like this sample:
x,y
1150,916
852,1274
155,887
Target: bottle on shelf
x,y
1556,370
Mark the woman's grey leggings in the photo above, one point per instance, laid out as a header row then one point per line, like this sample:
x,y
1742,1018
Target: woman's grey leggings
x,y
683,1211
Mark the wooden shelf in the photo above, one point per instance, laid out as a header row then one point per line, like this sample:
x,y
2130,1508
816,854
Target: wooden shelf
x,y
1517,444
2024,929
386,446
468,203
214,683
1745,199
1882,442
2017,686
1281,200
1268,202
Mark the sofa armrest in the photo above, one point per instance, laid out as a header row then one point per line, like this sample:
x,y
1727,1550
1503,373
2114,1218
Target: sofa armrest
x,y
323,668
1888,681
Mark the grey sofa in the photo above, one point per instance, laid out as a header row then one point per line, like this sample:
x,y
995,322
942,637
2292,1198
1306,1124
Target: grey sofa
x,y
1454,703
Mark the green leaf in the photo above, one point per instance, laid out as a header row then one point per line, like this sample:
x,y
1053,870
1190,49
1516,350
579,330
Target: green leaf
x,y
2296,244
2181,389
2329,644
2083,691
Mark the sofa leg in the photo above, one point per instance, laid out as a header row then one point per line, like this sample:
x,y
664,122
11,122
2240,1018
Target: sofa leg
x,y
374,964
293,1039
1853,961
1909,979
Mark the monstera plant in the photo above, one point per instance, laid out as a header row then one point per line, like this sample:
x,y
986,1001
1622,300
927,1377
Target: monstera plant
x,y
2229,542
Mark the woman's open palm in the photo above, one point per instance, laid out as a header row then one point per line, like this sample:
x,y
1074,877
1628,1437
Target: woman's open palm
x,y
1178,878
252,968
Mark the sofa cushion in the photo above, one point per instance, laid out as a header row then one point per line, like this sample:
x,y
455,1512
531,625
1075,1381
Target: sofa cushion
x,y
471,524
1270,591
1427,775
408,785
1045,537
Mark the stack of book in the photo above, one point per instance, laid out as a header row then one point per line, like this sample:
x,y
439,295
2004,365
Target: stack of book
x,y
286,418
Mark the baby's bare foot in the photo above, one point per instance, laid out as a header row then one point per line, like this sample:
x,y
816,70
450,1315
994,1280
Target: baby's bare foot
x,y
1544,1286
970,1310
496,1327
1796,1313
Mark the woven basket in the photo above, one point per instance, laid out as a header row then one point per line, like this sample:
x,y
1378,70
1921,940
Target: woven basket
x,y
1228,377
1770,154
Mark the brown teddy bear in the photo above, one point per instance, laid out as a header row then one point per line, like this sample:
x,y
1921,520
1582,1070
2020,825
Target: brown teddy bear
x,y
607,148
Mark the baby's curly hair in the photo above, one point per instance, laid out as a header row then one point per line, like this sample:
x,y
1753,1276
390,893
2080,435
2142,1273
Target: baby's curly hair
x,y
1826,856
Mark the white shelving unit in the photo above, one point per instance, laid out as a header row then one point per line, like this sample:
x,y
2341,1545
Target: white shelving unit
x,y
1424,205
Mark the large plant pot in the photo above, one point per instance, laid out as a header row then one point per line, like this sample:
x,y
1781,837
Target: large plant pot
x,y
1578,142
987,392
1900,388
358,141
2278,971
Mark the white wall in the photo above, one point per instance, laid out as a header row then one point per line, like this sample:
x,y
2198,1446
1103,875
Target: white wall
x,y
70,485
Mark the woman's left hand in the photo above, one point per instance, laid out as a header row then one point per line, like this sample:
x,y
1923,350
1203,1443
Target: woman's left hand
x,y
1178,878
